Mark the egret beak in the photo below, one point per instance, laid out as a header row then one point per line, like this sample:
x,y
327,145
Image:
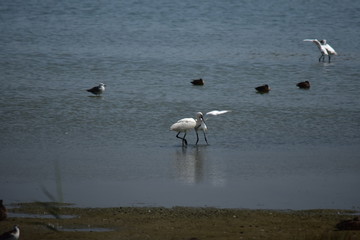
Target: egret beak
x,y
203,127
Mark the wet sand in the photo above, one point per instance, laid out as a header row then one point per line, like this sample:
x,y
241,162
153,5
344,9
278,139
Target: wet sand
x,y
64,221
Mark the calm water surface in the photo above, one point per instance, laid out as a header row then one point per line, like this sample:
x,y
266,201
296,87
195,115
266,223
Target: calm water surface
x,y
290,148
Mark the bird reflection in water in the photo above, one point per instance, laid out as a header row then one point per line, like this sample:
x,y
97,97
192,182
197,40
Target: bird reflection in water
x,y
190,164
197,165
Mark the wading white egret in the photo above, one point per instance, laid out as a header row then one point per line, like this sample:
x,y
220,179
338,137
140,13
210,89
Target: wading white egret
x,y
325,49
187,124
98,89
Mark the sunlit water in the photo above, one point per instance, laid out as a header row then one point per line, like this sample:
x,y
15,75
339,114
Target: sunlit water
x,y
290,148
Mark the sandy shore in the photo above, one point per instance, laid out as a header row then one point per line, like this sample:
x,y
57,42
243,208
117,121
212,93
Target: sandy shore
x,y
55,221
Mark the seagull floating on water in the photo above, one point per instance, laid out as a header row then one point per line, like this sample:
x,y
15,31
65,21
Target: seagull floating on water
x,y
303,85
263,88
98,89
325,49
187,124
11,235
198,82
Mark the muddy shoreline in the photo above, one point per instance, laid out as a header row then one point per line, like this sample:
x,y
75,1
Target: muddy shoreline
x,y
64,221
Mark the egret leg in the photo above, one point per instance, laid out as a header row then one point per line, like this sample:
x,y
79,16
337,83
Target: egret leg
x,y
197,137
177,135
184,142
329,58
205,138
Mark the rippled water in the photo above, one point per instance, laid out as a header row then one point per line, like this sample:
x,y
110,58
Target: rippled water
x,y
290,148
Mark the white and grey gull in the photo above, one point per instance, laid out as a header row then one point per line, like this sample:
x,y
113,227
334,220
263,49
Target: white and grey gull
x,y
13,234
98,90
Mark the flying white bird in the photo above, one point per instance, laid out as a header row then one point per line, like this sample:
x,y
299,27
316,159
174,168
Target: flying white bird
x,y
98,89
217,112
187,124
11,235
324,48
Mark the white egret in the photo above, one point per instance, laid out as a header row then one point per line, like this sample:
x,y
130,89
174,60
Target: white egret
x,y
203,126
98,89
325,49
217,112
187,124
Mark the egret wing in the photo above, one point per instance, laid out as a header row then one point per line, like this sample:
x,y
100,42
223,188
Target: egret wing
x,y
330,49
184,124
203,127
217,112
319,45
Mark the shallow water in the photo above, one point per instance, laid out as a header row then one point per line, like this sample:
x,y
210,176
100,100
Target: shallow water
x,y
45,216
290,148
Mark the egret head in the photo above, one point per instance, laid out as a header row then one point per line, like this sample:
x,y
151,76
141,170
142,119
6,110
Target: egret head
x,y
199,116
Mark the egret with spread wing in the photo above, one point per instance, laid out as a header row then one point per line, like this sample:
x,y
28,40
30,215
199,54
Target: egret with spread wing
x,y
325,49
187,124
217,112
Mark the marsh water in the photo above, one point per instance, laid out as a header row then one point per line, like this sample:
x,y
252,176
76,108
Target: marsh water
x,y
289,148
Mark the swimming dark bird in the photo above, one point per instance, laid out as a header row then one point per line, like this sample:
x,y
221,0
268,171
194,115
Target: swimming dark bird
x,y
11,235
98,89
304,85
263,89
3,212
353,224
325,49
198,82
